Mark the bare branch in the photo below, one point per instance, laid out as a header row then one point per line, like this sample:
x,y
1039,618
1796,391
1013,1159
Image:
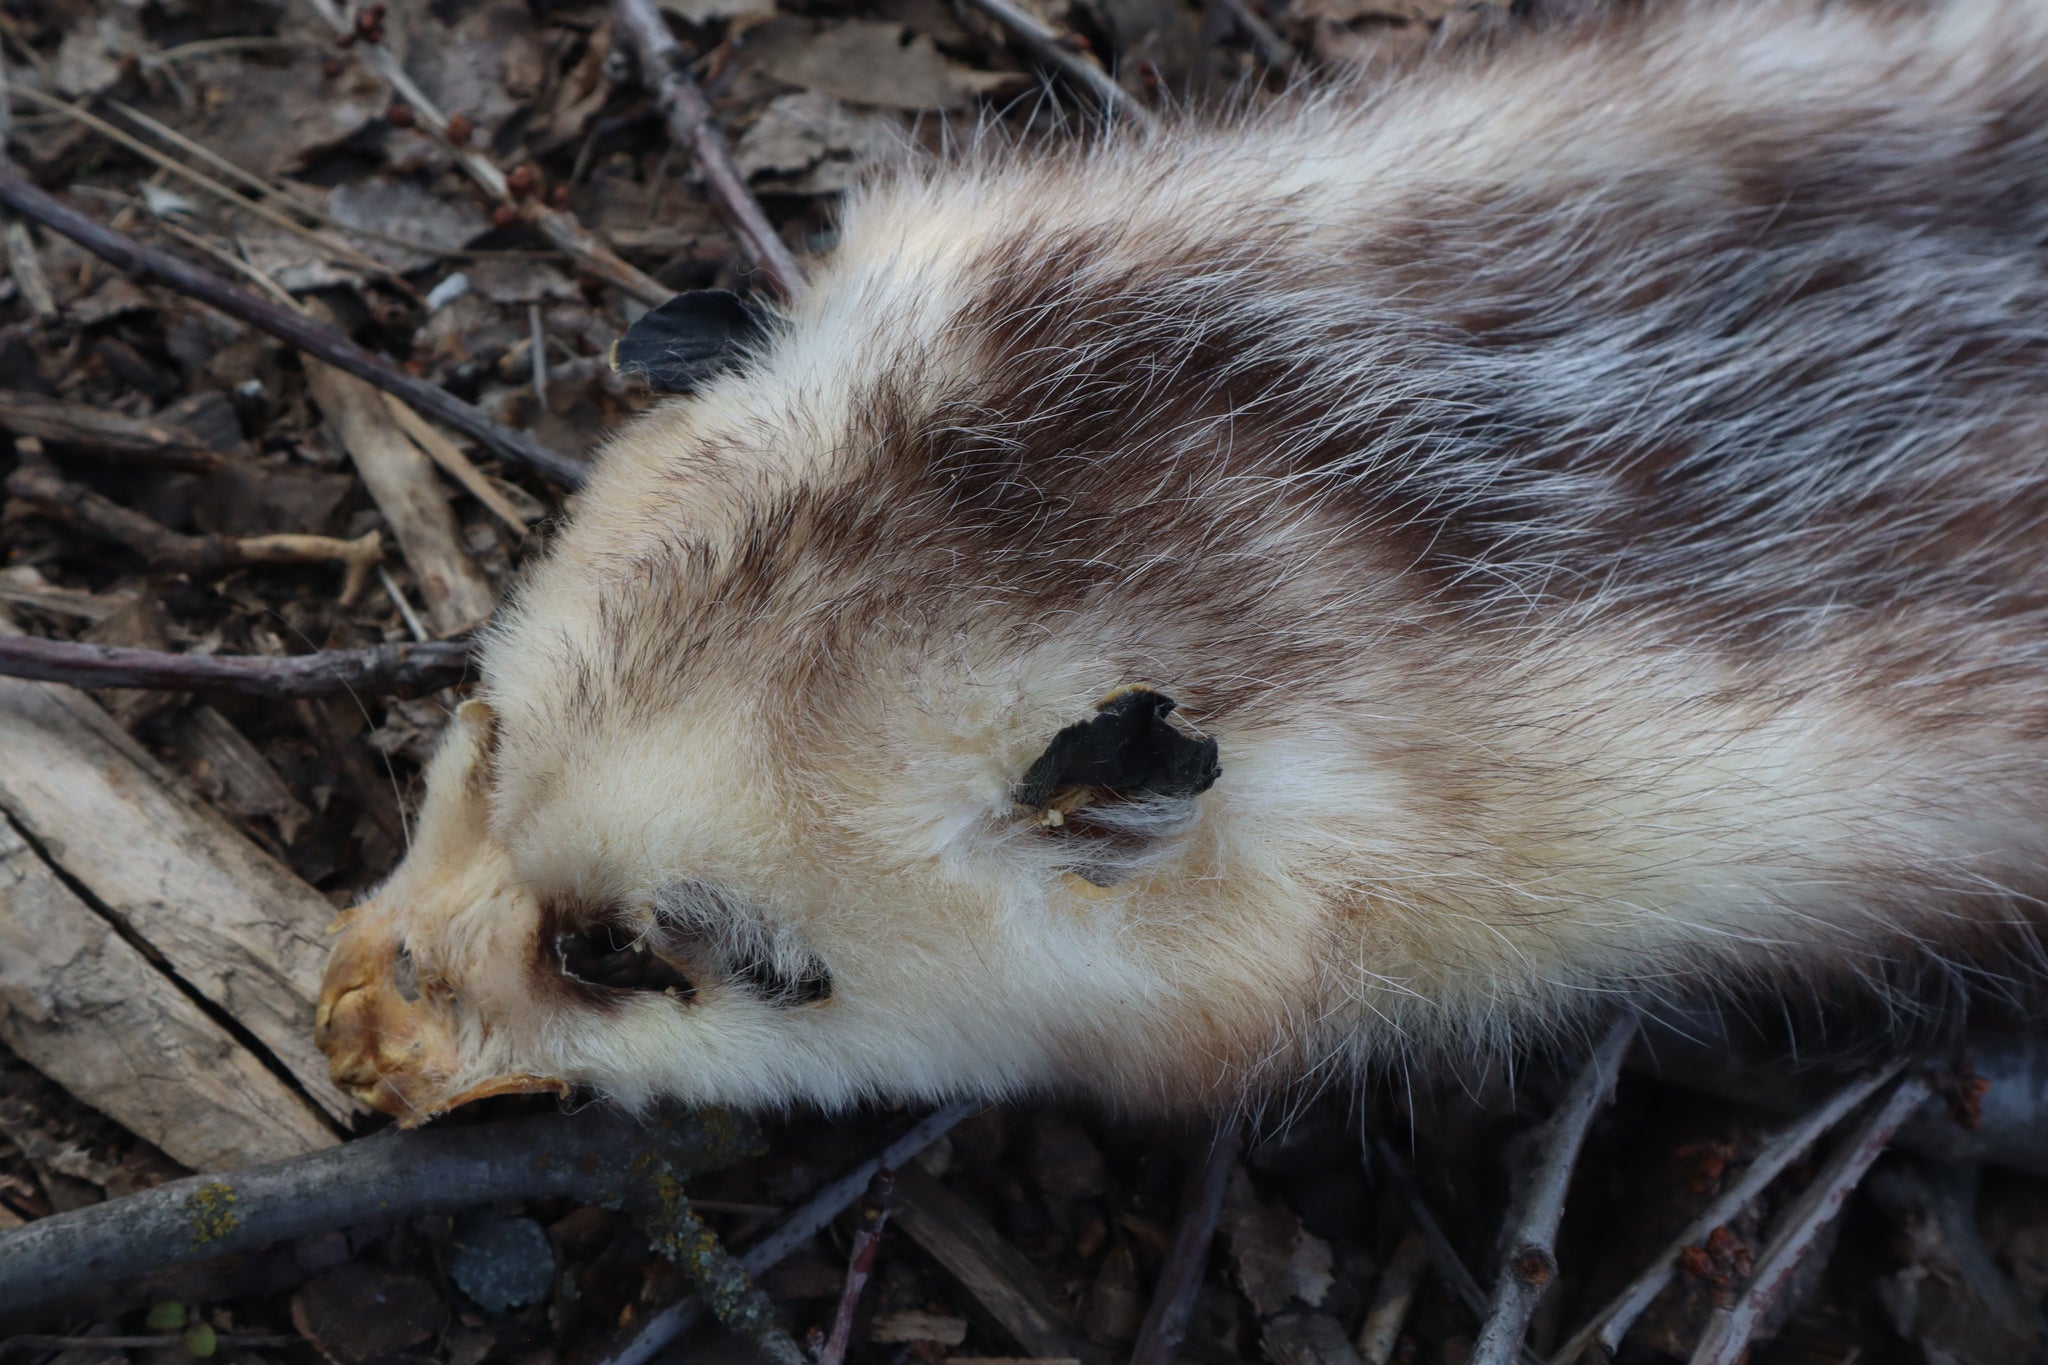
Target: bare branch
x,y
1180,1279
1783,1148
654,1332
679,1234
860,1263
693,126
328,343
594,1157
402,669
1531,1261
1045,45
1729,1330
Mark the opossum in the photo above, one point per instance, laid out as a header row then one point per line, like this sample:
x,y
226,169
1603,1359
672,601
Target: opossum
x,y
1551,527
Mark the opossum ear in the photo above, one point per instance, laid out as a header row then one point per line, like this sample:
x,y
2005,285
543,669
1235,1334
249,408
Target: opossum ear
x,y
1127,748
688,341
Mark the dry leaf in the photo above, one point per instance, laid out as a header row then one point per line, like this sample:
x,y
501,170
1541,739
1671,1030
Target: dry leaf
x,y
1277,1261
810,143
883,65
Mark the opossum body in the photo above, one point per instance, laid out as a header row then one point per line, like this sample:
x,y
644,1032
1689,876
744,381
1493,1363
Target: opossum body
x,y
1558,526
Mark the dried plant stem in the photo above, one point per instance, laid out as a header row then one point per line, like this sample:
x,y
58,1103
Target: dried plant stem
x,y
1729,1330
287,325
559,227
1613,1321
1038,38
106,520
403,669
1531,1261
593,1157
1173,1298
692,125
654,1332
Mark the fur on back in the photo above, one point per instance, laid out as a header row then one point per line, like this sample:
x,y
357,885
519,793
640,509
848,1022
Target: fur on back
x,y
1590,484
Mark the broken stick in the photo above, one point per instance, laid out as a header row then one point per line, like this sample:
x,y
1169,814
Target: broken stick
x,y
594,1157
400,669
1531,1261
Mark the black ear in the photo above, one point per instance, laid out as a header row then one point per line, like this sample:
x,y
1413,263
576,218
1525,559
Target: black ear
x,y
1127,747
688,341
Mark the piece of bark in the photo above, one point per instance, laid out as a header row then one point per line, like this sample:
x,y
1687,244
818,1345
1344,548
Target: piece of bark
x,y
401,479
235,927
993,1273
103,431
88,1010
233,772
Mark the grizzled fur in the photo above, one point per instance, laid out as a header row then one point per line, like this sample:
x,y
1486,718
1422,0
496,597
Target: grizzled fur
x,y
1591,486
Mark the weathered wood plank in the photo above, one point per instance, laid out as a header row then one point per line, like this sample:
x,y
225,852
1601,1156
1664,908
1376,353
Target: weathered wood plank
x,y
240,930
88,1010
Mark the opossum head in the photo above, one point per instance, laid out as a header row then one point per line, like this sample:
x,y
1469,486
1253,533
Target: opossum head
x,y
863,733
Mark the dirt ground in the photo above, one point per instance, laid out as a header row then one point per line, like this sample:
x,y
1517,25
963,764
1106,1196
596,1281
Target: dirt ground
x,y
141,113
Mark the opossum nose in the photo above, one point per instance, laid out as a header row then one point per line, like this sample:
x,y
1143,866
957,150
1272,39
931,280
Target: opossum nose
x,y
396,1054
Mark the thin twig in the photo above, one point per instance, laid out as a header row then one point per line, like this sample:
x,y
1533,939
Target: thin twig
x,y
655,1331
1531,1261
557,225
1729,1329
1613,1321
104,519
860,1264
692,125
593,1156
1180,1278
1442,1254
1044,44
401,669
287,325
1443,1257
